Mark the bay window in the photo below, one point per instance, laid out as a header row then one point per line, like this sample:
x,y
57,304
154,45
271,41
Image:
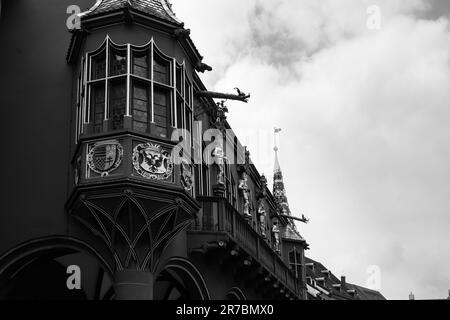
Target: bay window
x,y
139,82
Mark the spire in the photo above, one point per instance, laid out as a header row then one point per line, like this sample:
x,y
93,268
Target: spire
x,y
161,9
279,193
278,183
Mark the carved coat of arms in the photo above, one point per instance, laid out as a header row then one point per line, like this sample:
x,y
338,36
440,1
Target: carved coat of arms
x,y
105,157
152,162
186,175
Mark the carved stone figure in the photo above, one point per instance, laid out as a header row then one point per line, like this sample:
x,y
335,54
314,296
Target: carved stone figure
x,y
221,113
262,217
243,186
276,236
219,156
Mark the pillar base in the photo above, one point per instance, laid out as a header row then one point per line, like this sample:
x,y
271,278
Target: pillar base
x,y
133,285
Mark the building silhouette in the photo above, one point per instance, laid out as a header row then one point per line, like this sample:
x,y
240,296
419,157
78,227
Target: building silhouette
x,y
95,176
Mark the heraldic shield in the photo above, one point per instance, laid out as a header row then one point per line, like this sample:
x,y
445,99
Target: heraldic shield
x,y
152,162
105,157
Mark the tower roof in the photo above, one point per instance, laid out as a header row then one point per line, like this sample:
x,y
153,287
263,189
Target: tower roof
x,y
279,193
161,9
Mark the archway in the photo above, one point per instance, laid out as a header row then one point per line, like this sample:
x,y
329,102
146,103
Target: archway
x,y
38,270
180,280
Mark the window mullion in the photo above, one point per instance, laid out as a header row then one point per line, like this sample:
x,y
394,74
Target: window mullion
x,y
174,94
128,112
152,103
106,108
86,107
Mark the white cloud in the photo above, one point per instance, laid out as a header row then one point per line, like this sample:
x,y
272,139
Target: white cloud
x,y
366,144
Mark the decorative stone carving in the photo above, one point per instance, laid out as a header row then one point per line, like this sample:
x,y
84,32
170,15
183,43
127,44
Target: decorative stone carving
x,y
262,217
243,186
105,157
77,171
186,175
221,117
276,236
219,156
152,162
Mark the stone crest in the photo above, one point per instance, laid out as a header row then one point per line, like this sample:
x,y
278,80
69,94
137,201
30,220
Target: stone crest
x,y
152,162
105,157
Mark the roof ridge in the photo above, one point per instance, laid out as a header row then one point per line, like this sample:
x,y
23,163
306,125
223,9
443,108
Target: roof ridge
x,y
161,9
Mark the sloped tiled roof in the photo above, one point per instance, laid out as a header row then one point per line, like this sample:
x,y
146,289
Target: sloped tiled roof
x,y
361,292
329,280
157,8
365,293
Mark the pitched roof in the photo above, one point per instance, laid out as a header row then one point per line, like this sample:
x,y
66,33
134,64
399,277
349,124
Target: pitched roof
x,y
161,9
365,293
330,280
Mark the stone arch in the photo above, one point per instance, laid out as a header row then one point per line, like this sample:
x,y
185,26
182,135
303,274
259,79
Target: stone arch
x,y
180,279
37,269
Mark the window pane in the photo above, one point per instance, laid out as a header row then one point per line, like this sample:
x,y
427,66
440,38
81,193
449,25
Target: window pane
x,y
98,107
98,67
205,180
161,103
140,107
118,63
187,93
179,79
117,103
141,66
161,70
188,120
180,111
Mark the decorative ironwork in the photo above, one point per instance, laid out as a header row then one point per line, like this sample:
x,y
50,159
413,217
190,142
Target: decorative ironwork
x,y
105,157
152,162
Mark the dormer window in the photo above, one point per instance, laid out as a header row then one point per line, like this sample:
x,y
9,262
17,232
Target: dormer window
x,y
139,83
326,273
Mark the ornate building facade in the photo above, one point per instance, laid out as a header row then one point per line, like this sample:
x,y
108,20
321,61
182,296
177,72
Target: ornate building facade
x,y
123,170
99,183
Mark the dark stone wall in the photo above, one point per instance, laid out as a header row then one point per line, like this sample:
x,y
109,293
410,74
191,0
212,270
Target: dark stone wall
x,y
35,104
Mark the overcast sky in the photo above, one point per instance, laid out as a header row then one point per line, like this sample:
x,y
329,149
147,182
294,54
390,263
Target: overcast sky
x,y
365,146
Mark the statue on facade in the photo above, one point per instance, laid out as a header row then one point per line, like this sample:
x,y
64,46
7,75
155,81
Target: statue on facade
x,y
219,160
221,112
276,236
262,217
243,186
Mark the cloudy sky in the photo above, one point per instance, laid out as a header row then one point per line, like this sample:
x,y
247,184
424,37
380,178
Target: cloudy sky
x,y
365,146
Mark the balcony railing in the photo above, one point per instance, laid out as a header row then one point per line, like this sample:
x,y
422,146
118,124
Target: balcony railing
x,y
218,215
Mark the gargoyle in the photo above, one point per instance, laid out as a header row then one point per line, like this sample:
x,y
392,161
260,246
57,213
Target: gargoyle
x,y
241,94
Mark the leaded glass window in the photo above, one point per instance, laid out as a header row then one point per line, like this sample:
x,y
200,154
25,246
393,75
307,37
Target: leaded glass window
x,y
139,82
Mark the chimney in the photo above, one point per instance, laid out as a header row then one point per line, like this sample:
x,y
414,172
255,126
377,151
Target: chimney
x,y
343,283
411,296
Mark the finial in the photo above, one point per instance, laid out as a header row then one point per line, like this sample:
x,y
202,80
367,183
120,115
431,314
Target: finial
x,y
277,163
